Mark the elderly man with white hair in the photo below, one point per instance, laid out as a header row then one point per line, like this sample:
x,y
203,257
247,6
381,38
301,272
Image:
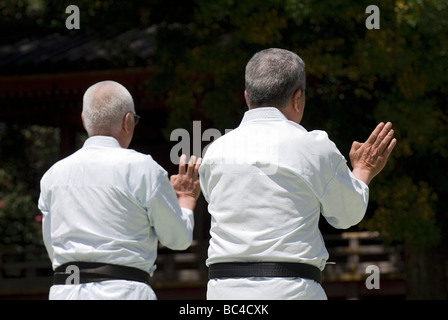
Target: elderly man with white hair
x,y
105,207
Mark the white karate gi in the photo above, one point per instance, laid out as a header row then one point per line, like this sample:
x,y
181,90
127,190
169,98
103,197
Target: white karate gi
x,y
108,204
267,182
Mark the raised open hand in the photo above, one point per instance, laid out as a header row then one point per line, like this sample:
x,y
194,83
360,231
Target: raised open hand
x,y
370,157
186,182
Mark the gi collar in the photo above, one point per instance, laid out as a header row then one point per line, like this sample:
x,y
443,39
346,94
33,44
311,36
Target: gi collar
x,y
101,141
268,113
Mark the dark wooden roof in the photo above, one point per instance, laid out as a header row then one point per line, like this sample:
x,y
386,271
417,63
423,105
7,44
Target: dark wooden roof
x,y
43,79
49,73
75,51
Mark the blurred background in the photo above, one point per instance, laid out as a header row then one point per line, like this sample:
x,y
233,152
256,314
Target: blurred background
x,y
184,61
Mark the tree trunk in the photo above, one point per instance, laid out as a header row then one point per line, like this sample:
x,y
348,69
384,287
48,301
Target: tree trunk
x,y
426,273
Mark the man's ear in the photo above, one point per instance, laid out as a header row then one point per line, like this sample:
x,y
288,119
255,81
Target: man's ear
x,y
296,100
127,123
82,119
245,98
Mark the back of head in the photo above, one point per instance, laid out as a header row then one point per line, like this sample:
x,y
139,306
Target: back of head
x,y
105,104
272,77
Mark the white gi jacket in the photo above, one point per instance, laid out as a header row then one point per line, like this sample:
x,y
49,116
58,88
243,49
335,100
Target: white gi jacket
x,y
267,182
108,204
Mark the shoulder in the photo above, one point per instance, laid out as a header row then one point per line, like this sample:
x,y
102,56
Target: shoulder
x,y
135,157
141,165
310,151
316,142
59,166
320,143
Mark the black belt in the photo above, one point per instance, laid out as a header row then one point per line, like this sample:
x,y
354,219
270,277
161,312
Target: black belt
x,y
97,271
264,269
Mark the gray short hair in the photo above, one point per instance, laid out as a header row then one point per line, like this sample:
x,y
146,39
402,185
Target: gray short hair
x,y
105,105
273,76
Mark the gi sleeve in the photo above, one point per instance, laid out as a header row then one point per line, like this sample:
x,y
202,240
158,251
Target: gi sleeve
x,y
43,205
173,225
204,178
344,201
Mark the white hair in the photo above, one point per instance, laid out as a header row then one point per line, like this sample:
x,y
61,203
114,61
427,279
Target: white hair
x,y
105,104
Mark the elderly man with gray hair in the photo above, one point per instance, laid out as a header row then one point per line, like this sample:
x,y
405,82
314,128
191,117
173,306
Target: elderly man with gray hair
x,y
269,180
105,207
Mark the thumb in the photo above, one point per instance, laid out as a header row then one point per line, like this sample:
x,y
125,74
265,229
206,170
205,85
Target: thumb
x,y
356,145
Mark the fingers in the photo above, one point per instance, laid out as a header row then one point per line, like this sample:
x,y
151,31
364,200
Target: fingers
x,y
384,136
374,135
182,162
192,169
381,136
384,139
390,147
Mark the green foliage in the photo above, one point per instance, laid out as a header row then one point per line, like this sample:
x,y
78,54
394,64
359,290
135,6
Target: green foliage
x,y
406,213
18,223
25,154
407,63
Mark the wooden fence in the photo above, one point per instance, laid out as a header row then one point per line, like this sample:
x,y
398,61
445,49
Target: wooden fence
x,y
352,254
183,274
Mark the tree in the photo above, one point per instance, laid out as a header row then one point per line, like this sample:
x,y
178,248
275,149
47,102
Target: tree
x,y
410,58
26,152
